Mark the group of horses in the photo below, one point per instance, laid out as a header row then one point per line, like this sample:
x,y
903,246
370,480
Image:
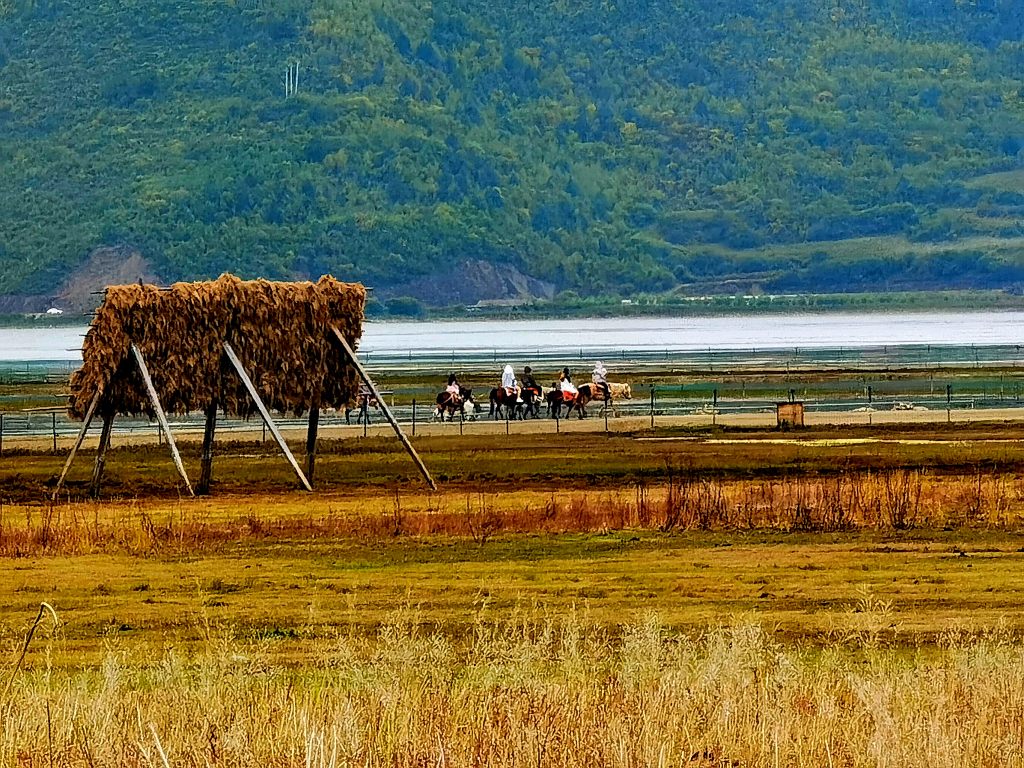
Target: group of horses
x,y
507,404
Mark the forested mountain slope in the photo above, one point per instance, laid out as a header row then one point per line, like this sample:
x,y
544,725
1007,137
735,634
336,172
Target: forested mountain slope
x,y
597,146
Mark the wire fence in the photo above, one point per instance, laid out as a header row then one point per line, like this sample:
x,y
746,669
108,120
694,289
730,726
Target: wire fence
x,y
722,384
652,406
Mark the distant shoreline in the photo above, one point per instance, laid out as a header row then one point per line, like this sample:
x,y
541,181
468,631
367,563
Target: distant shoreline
x,y
664,307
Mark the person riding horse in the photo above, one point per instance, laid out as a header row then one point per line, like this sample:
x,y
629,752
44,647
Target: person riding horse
x,y
600,378
532,392
509,399
508,382
454,400
568,389
453,390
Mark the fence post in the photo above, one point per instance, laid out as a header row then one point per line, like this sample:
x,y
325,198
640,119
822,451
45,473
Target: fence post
x,y
652,406
414,416
949,398
1,433
714,406
54,428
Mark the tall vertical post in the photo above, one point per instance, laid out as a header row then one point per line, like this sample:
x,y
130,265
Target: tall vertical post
x,y
53,417
101,455
652,406
311,430
607,402
206,467
414,417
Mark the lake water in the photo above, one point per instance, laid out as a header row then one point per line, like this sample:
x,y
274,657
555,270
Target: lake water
x,y
763,332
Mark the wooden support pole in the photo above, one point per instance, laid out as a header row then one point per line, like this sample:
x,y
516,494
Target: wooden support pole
x,y
161,417
266,415
206,467
89,413
101,455
314,424
384,408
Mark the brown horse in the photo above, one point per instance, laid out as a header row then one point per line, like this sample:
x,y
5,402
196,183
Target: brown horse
x,y
450,404
578,402
527,403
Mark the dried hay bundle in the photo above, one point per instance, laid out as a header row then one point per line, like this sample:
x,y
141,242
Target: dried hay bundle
x,y
280,331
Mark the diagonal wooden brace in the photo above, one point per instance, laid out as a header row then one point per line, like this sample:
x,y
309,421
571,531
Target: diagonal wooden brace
x,y
161,417
89,413
384,407
240,370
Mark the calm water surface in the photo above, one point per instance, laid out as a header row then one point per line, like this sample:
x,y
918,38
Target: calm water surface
x,y
849,330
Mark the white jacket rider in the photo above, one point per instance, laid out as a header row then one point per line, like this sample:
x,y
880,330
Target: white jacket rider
x,y
565,383
508,380
600,375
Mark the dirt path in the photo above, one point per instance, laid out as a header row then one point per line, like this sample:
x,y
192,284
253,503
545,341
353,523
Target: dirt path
x,y
148,436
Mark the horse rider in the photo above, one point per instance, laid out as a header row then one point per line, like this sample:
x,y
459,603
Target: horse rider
x,y
508,382
528,381
600,379
454,389
566,385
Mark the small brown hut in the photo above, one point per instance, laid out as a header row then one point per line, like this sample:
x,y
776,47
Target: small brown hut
x,y
789,414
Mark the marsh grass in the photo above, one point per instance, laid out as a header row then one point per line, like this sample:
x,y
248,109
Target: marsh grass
x,y
524,689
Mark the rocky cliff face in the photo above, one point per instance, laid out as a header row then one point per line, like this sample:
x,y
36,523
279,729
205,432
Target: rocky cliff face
x,y
469,281
106,265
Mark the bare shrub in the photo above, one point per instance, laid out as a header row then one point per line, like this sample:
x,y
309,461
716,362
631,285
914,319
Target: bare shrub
x,y
902,497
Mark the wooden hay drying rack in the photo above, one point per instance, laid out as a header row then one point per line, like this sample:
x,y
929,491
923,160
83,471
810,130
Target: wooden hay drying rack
x,y
98,404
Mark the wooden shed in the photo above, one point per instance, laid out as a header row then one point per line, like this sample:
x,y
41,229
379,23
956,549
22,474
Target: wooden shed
x,y
790,414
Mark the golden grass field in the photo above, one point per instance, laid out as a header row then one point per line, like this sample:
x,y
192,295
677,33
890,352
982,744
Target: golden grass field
x,y
836,597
